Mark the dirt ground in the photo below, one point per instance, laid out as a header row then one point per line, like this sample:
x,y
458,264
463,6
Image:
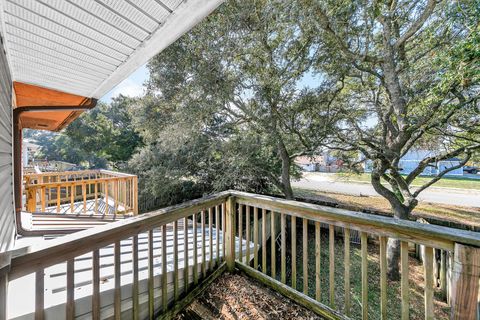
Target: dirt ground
x,y
234,296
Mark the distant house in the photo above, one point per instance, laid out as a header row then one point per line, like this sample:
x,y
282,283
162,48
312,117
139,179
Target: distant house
x,y
412,159
310,164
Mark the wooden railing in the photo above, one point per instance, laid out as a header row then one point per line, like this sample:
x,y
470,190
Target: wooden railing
x,y
179,246
77,192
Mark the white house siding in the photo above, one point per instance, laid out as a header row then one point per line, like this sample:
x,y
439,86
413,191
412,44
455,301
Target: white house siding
x,y
7,215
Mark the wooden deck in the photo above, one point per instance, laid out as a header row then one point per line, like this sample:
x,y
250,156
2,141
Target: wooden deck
x,y
55,285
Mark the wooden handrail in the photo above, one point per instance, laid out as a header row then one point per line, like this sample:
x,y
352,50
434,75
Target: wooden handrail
x,y
427,234
73,245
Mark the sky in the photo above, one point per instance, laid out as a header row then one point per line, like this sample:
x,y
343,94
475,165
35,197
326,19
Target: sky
x,y
131,87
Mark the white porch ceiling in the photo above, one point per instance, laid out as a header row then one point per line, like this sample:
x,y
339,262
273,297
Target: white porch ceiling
x,y
86,47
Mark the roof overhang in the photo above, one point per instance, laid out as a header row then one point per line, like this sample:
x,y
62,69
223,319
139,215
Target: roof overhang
x,y
83,49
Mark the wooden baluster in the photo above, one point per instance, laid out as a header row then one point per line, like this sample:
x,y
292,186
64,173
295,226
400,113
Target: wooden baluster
x,y
39,295
428,274
96,197
240,232
84,193
43,199
72,198
318,285
195,254
283,249
115,196
404,266
305,255
124,200
346,242
331,273
230,215
70,305
96,285
107,206
264,241
223,228
255,238
204,251
217,236
58,199
247,234
164,269
175,260
272,244
117,295
185,255
364,247
294,252
210,237
151,298
383,277
135,293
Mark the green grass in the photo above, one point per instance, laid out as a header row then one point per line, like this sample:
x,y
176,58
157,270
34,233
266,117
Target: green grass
x,y
446,182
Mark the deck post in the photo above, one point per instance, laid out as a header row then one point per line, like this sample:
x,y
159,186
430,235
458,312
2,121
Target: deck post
x,y
230,233
135,195
465,282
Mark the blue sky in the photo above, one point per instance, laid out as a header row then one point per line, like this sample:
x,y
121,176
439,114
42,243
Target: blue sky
x,y
132,86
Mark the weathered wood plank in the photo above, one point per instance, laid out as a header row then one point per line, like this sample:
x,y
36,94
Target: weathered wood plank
x,y
293,222
210,238
96,285
383,277
203,247
247,233
164,269
230,233
331,267
405,288
118,274
39,295
175,260
283,254
217,230
465,282
186,252
151,298
70,305
135,305
255,237
240,232
428,275
195,254
305,255
264,241
273,257
364,248
346,243
318,285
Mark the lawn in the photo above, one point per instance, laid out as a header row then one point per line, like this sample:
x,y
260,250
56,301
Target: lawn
x,y
457,214
445,182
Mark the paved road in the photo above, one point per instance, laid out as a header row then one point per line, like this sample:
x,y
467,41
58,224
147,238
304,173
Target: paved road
x,y
330,182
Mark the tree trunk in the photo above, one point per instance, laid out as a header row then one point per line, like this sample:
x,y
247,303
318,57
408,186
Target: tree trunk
x,y
285,157
393,246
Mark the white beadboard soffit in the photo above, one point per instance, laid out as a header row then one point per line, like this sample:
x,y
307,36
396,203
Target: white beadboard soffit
x,y
87,47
